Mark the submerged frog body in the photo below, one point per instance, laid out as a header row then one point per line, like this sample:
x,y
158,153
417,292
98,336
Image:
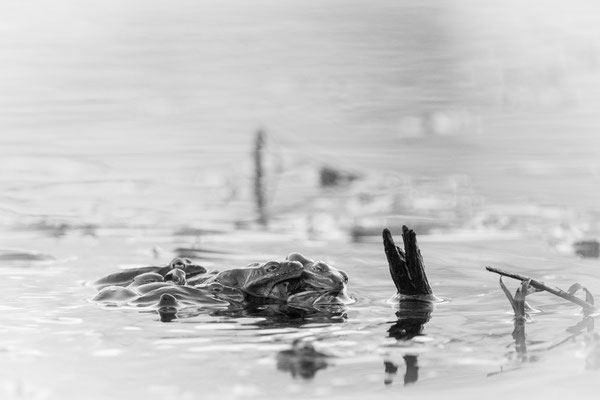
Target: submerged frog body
x,y
187,266
185,295
223,292
149,287
124,278
145,283
283,290
115,295
146,278
318,275
176,276
320,284
258,280
316,298
200,279
167,307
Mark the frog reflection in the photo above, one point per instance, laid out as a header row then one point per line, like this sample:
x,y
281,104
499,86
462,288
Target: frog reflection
x,y
302,360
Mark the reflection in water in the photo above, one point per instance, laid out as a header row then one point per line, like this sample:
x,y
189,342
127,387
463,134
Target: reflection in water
x,y
302,360
281,315
390,371
592,359
519,336
518,304
521,317
585,326
412,317
412,369
266,315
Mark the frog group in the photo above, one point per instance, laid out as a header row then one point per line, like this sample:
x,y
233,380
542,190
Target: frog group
x,y
296,281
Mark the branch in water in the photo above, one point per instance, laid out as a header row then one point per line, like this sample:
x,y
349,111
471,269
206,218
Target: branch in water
x,y
587,305
406,267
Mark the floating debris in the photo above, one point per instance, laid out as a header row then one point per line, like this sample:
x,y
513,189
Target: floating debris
x,y
24,255
587,248
331,177
197,252
302,360
192,231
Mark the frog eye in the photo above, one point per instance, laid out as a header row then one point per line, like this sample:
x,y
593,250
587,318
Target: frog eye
x,y
216,288
318,267
345,276
272,267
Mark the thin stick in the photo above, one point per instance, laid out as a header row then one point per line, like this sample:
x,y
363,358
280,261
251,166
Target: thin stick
x,y
259,178
542,286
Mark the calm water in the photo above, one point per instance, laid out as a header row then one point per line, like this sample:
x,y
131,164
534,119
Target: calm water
x,y
126,132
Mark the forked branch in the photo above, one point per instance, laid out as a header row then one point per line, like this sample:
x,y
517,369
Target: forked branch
x,y
406,267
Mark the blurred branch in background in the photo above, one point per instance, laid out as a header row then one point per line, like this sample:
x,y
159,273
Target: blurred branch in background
x,y
259,178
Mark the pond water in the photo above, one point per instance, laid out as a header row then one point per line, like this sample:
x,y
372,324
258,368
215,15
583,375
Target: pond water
x,y
126,134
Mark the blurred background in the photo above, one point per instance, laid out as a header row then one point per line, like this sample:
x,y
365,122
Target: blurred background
x,y
148,110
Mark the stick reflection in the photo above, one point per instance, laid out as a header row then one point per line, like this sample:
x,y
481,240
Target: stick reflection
x,y
412,317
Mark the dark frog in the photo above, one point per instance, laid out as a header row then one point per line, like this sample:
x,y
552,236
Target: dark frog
x,y
320,284
318,275
259,280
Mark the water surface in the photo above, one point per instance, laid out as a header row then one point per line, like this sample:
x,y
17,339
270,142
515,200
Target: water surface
x,y
126,132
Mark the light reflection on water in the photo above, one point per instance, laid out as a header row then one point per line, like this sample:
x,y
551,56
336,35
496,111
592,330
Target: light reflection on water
x,y
126,133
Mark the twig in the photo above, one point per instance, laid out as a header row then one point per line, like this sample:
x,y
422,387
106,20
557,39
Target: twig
x,y
542,286
259,178
406,267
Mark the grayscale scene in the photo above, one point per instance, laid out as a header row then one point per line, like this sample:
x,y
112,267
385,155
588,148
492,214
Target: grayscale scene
x,y
296,199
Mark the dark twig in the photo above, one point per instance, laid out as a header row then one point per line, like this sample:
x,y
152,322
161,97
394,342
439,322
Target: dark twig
x,y
406,267
396,262
520,318
408,273
259,178
542,286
